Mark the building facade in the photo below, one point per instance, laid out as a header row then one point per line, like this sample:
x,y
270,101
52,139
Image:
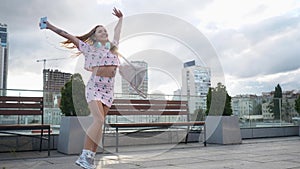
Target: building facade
x,y
246,106
3,58
195,85
127,90
287,110
259,109
53,81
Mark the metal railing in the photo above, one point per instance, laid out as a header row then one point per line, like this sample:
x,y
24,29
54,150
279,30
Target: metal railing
x,y
53,113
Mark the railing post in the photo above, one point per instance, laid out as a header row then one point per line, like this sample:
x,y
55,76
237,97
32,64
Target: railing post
x,y
117,139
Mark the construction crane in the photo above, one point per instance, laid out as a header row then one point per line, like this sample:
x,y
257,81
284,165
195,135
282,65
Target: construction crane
x,y
45,60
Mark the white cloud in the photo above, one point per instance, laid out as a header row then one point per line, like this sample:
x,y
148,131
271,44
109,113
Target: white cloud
x,y
105,2
233,14
262,83
255,39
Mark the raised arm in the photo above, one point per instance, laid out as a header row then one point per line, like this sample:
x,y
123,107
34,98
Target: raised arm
x,y
117,31
63,33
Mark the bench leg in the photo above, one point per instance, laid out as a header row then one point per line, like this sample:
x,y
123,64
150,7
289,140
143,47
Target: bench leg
x,y
187,134
117,139
103,133
204,133
41,139
49,141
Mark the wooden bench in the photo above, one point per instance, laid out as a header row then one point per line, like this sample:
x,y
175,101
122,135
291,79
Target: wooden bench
x,y
24,106
126,107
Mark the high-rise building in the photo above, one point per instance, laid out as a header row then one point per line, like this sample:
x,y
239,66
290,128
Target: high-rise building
x,y
127,90
53,82
195,84
3,58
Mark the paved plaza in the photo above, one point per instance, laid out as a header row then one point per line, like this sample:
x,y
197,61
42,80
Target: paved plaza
x,y
267,153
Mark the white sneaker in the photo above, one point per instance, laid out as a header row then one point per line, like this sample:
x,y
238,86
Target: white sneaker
x,y
86,160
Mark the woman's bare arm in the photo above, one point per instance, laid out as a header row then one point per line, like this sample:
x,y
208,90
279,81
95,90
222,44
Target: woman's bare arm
x,y
63,33
117,31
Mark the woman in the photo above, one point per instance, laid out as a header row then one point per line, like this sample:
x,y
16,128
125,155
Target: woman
x,y
102,61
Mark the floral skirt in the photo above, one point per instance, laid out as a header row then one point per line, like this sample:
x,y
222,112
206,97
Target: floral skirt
x,y
100,88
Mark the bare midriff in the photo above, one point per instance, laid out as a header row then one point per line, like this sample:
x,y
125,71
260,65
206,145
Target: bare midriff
x,y
105,71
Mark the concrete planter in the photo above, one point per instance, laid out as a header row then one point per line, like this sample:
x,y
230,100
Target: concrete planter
x,y
72,133
265,132
223,130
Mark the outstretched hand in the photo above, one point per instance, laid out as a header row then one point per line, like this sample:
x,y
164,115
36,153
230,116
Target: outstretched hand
x,y
46,23
117,13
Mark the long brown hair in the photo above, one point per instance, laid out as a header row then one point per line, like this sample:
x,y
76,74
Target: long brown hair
x,y
87,39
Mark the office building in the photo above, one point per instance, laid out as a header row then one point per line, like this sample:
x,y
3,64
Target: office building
x,y
3,58
53,82
127,90
195,85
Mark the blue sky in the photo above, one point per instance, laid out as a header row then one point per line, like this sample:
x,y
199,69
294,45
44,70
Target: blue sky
x,y
257,42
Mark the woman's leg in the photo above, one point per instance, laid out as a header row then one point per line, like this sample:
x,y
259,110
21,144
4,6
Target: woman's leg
x,y
100,134
94,132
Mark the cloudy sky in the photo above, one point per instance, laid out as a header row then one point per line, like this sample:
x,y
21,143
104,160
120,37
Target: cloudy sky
x,y
256,42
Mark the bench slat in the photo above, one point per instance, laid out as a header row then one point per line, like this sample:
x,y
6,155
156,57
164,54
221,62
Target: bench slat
x,y
21,105
21,112
147,112
21,99
152,107
125,101
24,126
159,124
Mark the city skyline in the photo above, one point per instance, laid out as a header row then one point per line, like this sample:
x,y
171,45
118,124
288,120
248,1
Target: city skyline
x,y
257,42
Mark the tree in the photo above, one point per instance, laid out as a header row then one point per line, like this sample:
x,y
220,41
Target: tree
x,y
257,110
218,101
277,102
208,100
198,115
74,92
297,104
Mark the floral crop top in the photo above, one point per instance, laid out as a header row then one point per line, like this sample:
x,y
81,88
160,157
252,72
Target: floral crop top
x,y
97,56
